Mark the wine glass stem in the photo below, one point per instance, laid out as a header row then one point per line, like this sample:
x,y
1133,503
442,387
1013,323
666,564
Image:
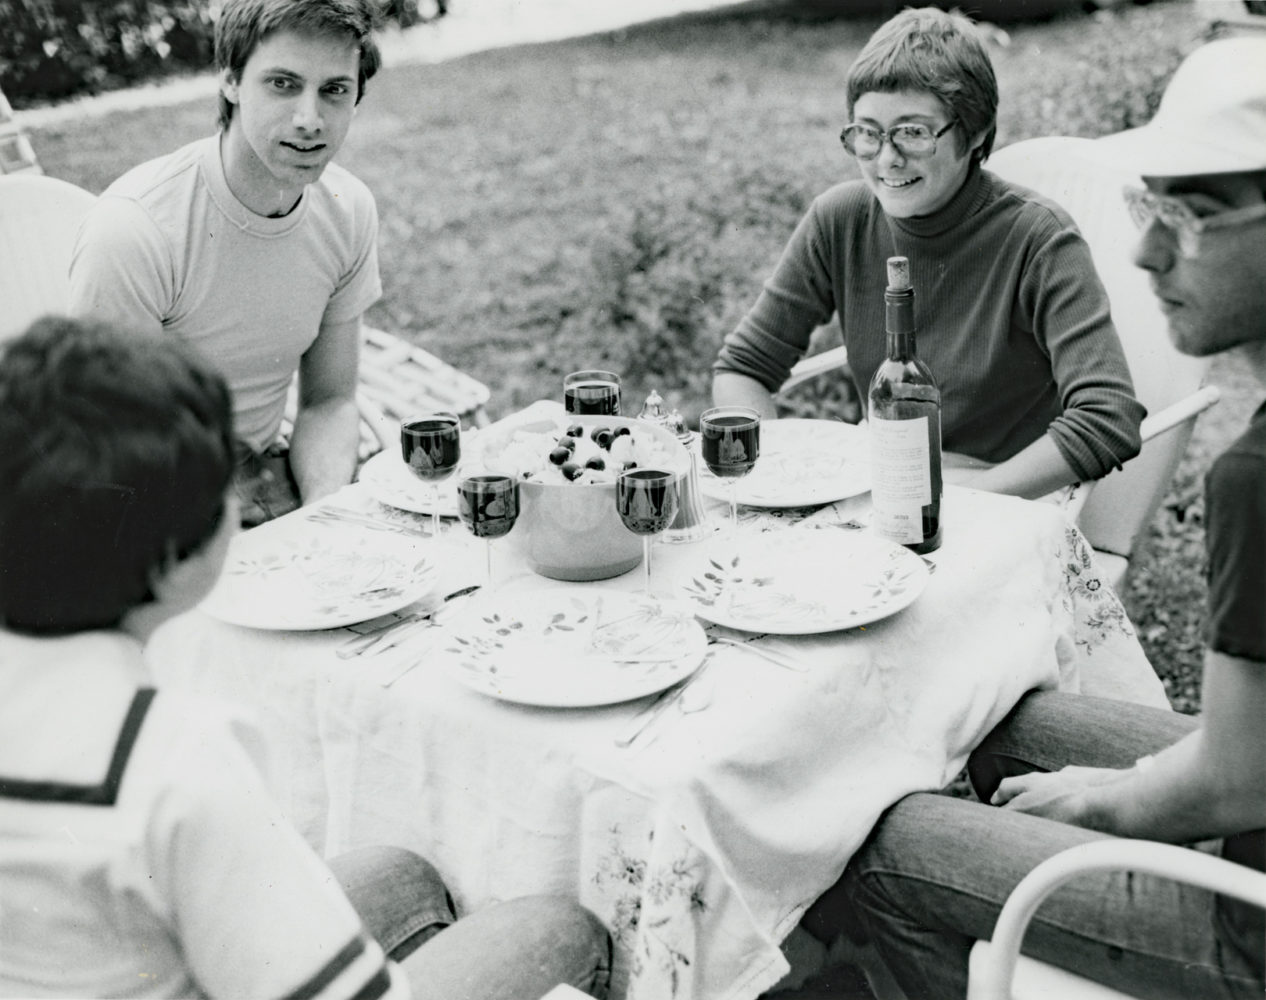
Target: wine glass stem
x,y
734,504
488,567
435,513
646,564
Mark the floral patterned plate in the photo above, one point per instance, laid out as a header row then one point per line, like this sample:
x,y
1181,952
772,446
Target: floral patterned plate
x,y
390,482
570,647
802,463
801,582
276,578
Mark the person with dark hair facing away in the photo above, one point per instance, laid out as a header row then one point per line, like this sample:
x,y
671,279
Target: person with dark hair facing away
x,y
140,851
1063,769
252,245
1012,317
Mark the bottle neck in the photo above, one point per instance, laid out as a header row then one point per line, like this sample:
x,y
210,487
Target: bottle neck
x,y
899,324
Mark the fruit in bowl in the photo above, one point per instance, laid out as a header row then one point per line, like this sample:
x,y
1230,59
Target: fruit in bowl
x,y
568,527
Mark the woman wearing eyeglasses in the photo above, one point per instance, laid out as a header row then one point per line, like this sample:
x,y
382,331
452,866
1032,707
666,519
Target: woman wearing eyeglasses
x,y
1012,318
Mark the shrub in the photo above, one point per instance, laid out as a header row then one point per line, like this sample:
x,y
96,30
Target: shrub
x,y
54,49
58,48
667,284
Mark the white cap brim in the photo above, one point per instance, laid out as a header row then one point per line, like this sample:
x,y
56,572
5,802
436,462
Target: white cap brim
x,y
1149,152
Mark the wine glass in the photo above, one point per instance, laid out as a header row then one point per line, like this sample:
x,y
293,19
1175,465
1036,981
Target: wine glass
x,y
594,392
647,503
730,442
488,506
431,445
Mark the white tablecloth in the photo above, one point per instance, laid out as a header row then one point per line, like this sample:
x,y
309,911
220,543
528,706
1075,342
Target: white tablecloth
x,y
700,848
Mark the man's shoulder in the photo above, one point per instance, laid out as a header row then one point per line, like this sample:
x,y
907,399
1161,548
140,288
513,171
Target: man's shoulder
x,y
341,190
1243,464
156,179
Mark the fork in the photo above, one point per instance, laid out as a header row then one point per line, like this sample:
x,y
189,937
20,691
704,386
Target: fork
x,y
656,709
338,515
786,662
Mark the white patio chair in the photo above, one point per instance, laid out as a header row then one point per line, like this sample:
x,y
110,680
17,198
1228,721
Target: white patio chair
x,y
39,218
996,969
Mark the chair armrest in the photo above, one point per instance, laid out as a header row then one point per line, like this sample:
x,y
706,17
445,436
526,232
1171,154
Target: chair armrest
x,y
1177,413
992,978
814,365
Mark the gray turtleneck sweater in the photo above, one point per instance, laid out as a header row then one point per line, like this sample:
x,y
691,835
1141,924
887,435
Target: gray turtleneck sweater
x,y
1011,318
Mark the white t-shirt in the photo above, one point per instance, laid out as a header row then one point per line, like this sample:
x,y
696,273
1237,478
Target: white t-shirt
x,y
168,243
140,853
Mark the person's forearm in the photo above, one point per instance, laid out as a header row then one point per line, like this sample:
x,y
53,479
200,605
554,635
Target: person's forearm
x,y
1031,473
323,447
1175,798
732,389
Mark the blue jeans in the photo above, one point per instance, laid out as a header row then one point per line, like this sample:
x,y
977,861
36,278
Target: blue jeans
x,y
936,870
517,950
265,484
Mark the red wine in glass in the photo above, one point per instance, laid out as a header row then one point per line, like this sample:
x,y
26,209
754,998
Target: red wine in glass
x,y
592,392
488,506
729,438
431,446
646,500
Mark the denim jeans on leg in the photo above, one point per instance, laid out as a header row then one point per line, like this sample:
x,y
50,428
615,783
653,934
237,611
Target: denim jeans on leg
x,y
936,870
517,950
400,897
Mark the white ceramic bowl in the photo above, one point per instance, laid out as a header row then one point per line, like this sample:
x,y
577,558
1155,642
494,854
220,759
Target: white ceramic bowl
x,y
570,531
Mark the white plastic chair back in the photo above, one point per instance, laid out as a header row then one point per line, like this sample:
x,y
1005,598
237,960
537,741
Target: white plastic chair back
x,y
997,971
1123,503
39,218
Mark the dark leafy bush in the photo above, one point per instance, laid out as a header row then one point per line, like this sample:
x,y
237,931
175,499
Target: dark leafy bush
x,y
53,49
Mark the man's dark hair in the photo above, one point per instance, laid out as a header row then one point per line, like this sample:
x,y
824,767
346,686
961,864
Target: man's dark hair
x,y
116,449
243,24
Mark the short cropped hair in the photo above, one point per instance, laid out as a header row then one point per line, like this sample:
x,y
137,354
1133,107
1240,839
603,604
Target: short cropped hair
x,y
116,450
938,52
243,24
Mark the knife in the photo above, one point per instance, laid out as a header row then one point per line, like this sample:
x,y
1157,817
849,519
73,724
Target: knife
x,y
666,699
362,643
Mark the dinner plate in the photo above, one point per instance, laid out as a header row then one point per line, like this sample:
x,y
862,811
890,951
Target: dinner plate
x,y
570,647
390,482
275,578
802,462
801,582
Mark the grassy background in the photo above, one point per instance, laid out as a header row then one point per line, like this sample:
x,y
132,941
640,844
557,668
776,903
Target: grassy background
x,y
617,200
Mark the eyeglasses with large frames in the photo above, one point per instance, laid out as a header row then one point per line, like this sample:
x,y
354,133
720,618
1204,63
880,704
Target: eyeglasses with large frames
x,y
865,141
1179,218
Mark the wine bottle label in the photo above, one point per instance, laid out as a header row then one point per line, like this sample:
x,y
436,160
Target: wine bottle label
x,y
901,477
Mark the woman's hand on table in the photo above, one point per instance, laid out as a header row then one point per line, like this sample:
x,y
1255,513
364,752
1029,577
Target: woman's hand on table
x,y
1058,795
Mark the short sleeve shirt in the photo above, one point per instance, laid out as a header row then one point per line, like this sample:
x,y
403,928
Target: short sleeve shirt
x,y
169,244
1235,539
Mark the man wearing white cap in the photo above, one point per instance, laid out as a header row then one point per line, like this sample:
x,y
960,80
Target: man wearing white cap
x,y
1066,769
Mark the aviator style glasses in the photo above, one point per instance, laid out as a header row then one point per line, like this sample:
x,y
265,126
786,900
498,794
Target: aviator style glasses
x,y
1181,219
912,139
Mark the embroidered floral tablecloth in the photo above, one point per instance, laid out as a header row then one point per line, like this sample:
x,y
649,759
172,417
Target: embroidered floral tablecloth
x,y
701,845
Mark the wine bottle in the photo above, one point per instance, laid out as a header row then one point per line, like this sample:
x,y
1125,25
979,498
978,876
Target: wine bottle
x,y
905,427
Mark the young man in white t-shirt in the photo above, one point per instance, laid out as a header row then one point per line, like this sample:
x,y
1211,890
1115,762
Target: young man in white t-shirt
x,y
254,246
141,854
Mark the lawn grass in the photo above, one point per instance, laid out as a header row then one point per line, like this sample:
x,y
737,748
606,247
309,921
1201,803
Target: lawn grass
x,y
618,199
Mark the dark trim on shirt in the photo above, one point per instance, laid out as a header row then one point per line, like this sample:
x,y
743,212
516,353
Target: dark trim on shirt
x,y
335,967
104,794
